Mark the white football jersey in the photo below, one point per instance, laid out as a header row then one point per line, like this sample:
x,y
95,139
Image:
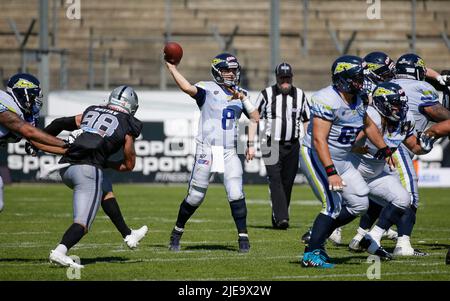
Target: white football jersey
x,y
394,137
219,119
420,94
347,120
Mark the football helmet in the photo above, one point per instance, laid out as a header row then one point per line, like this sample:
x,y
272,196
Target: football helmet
x,y
410,66
348,74
124,99
390,101
380,67
26,91
225,61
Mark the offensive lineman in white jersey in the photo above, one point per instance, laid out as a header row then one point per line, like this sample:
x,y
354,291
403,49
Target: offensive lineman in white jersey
x,y
221,103
339,114
390,114
19,111
424,105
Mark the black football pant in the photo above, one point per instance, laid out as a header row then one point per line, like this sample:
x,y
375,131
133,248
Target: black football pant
x,y
281,176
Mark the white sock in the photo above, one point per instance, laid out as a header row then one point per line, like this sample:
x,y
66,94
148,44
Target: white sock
x,y
404,242
360,233
61,249
179,229
376,233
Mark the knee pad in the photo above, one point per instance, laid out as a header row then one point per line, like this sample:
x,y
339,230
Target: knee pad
x,y
358,205
195,197
234,190
403,200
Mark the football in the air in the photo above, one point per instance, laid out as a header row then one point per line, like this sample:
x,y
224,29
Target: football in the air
x,y
173,53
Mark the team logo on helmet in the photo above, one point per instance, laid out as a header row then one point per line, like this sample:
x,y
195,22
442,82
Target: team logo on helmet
x,y
24,84
343,66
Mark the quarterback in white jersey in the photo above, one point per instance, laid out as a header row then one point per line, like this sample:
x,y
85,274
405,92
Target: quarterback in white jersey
x,y
424,105
19,110
221,103
390,113
339,114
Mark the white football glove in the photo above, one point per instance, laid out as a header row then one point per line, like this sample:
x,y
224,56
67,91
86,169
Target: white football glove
x,y
426,142
73,135
443,79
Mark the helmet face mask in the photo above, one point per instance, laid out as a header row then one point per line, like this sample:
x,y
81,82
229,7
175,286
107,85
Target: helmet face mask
x,y
226,70
26,91
123,99
390,101
348,74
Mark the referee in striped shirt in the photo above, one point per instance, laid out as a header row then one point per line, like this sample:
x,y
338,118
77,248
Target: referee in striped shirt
x,y
284,109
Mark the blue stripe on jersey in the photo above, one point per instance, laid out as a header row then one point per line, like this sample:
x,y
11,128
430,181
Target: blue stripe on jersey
x,y
200,97
407,167
323,180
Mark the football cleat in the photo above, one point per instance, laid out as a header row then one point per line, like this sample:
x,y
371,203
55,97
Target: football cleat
x,y
390,234
369,244
133,239
336,236
63,260
408,251
307,236
174,244
244,244
317,259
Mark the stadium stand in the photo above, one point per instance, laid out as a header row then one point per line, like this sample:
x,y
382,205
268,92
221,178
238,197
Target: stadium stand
x,y
129,35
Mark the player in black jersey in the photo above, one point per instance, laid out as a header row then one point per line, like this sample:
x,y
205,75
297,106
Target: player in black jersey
x,y
105,130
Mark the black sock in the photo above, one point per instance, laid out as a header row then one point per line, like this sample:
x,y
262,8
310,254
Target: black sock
x,y
371,216
239,213
390,215
112,210
322,226
407,221
184,213
72,235
343,218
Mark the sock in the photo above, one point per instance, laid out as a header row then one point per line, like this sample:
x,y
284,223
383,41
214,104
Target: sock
x,y
372,214
61,249
184,213
112,210
389,216
72,235
407,221
360,233
376,233
239,213
320,231
403,242
343,218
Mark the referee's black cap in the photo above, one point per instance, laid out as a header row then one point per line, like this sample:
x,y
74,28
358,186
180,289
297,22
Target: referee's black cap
x,y
283,70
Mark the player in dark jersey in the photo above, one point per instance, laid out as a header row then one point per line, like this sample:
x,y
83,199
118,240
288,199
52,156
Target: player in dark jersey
x,y
106,129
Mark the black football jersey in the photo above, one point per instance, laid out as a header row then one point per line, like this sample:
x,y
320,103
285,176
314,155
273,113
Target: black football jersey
x,y
104,132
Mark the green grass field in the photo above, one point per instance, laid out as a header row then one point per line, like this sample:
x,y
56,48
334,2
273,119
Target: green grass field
x,y
36,216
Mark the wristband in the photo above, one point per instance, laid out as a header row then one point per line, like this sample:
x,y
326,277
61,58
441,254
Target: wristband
x,y
248,105
331,170
250,144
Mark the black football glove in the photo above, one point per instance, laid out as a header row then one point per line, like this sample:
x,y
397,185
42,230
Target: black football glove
x,y
30,149
383,153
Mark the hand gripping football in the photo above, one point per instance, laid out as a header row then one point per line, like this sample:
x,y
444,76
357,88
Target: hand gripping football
x,y
173,53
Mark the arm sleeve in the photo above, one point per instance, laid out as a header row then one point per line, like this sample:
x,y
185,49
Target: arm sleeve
x,y
200,97
60,124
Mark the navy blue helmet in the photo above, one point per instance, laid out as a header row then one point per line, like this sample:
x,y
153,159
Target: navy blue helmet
x,y
410,66
390,101
26,91
380,67
348,74
225,61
